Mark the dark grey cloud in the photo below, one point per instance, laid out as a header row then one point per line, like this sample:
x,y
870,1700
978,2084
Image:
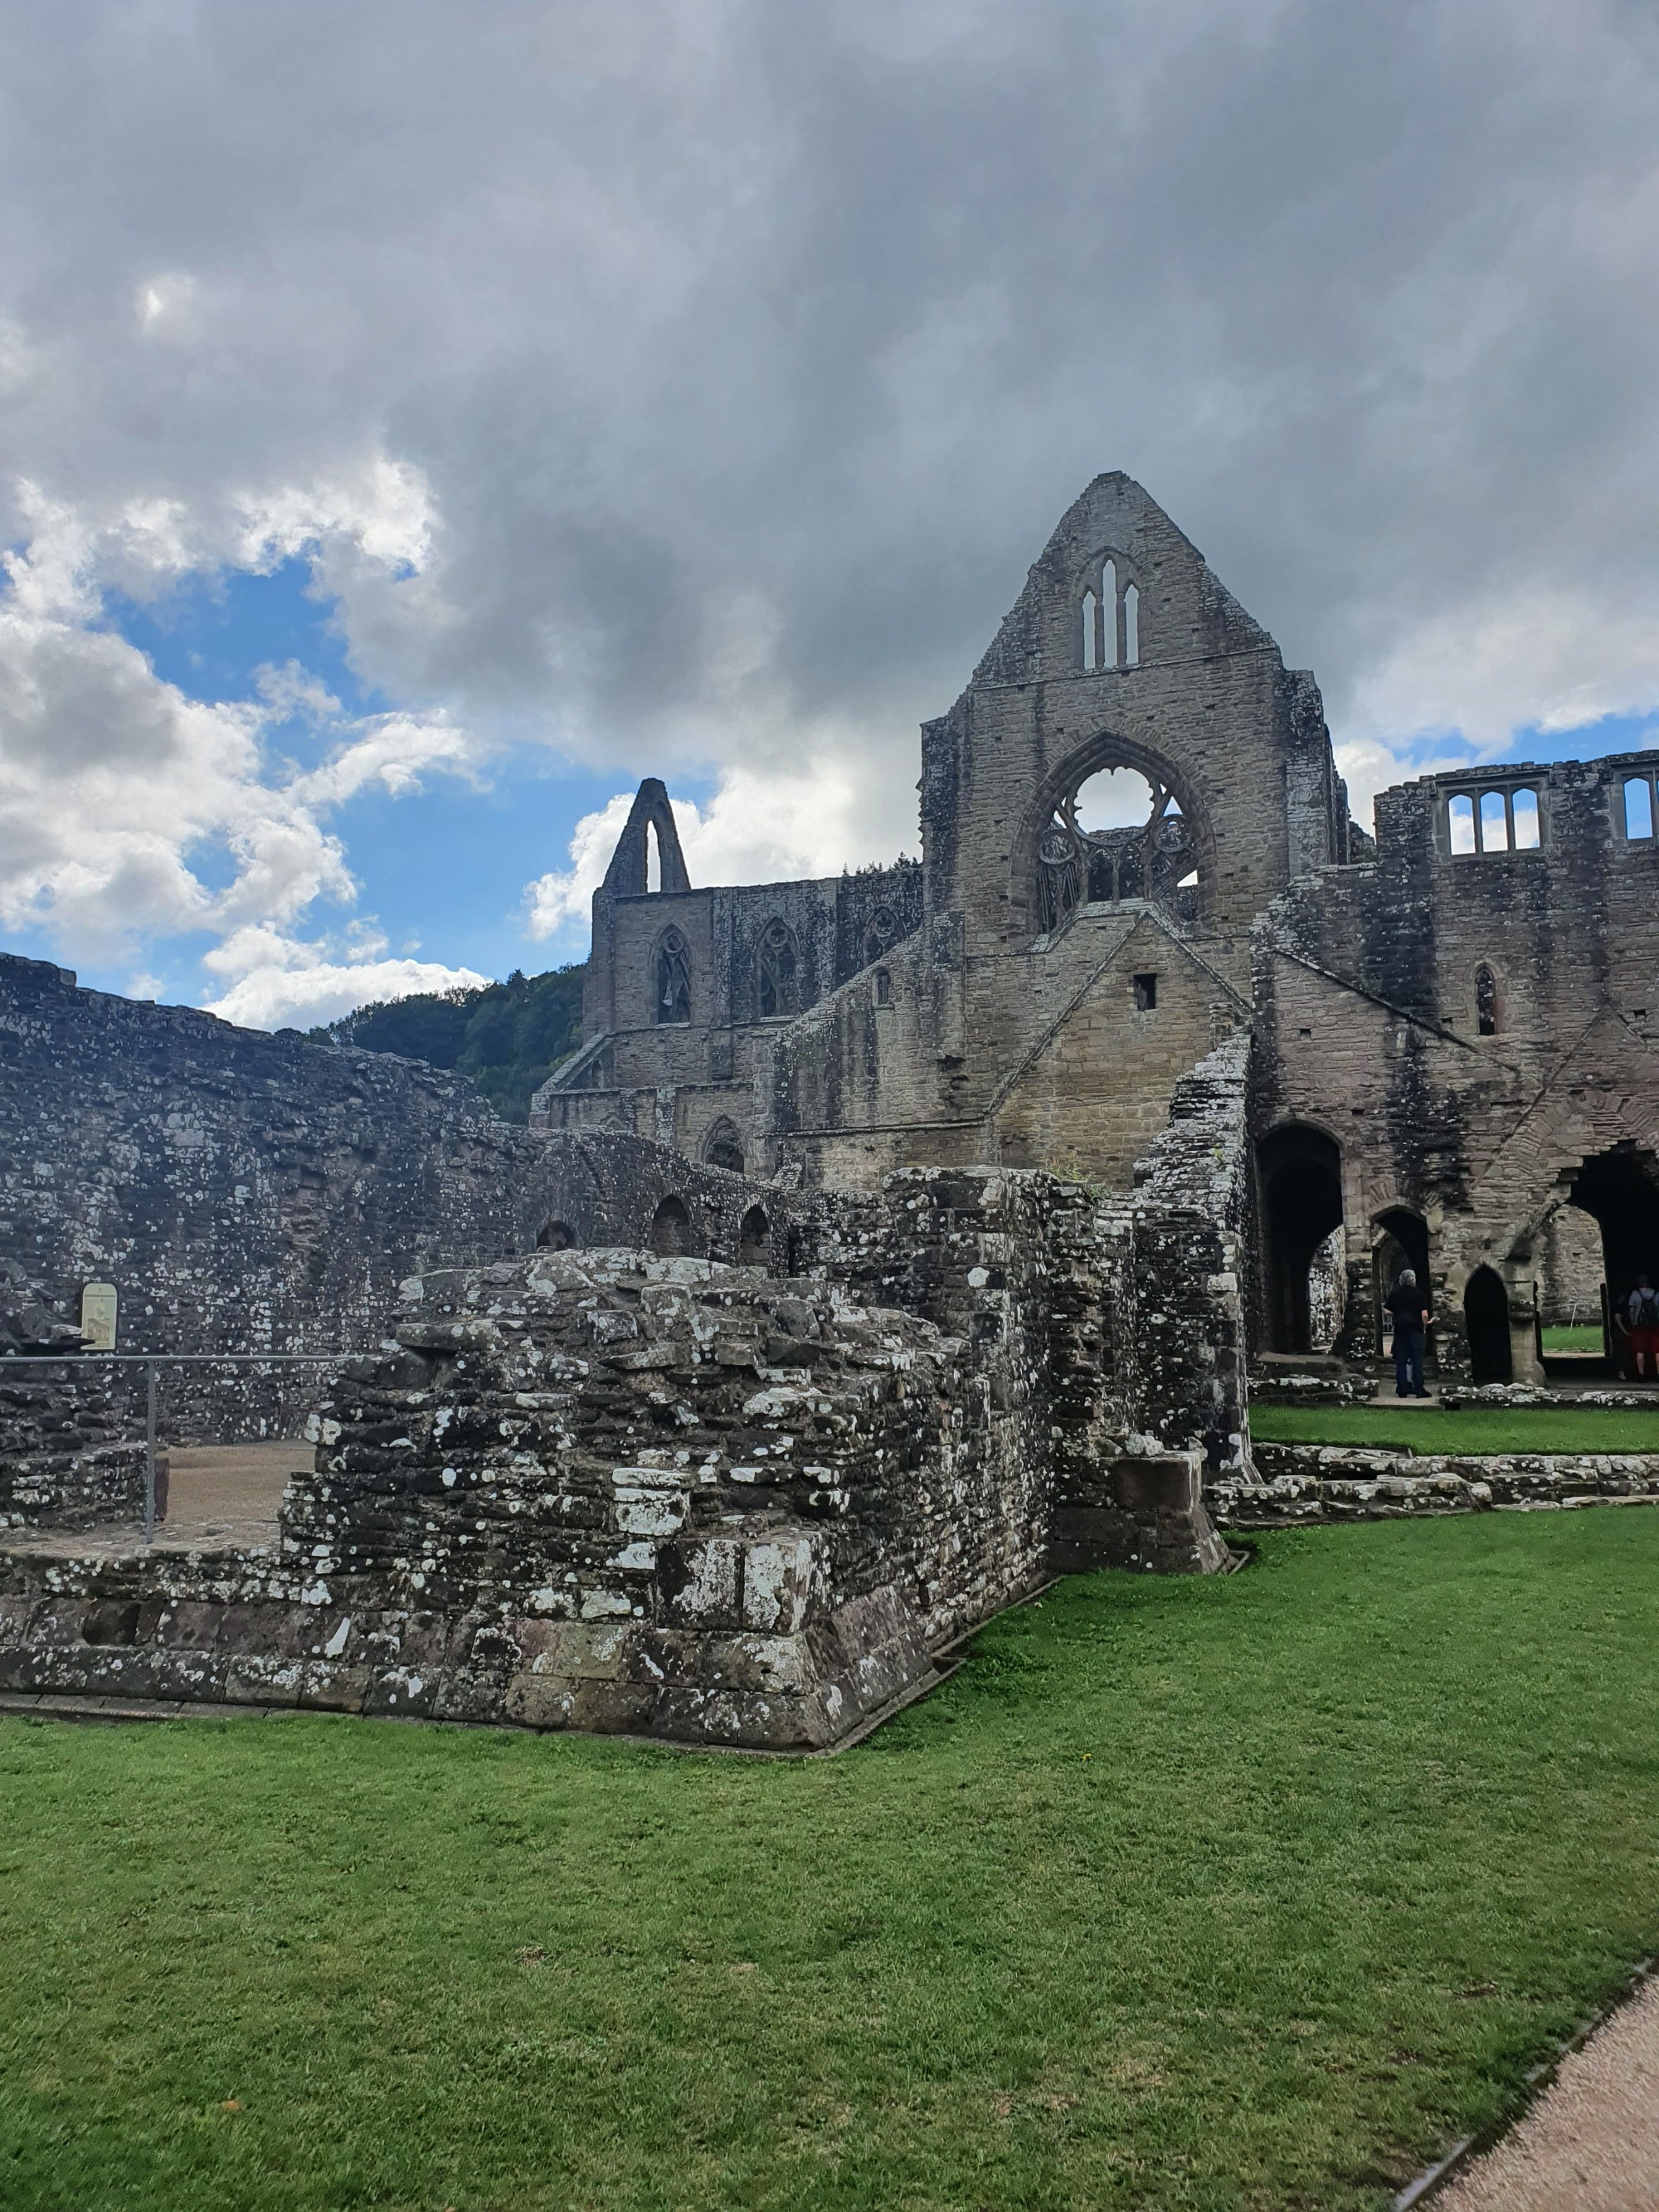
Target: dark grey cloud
x,y
748,354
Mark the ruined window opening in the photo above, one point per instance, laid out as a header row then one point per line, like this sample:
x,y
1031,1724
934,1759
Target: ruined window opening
x,y
776,990
673,1003
1300,1170
1486,1001
653,857
1118,834
1460,821
1091,633
1145,994
1523,820
723,1147
1109,655
884,987
671,1230
880,931
1494,823
1130,625
1639,807
556,1237
754,1239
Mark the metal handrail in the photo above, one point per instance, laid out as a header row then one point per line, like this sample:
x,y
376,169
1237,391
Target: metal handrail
x,y
149,1361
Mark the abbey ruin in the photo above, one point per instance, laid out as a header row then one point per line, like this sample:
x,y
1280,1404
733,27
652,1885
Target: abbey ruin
x,y
892,1242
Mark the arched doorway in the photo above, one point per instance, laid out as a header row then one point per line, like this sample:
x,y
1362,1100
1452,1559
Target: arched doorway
x,y
671,1230
754,1239
1486,1320
1402,1241
556,1237
1620,1190
1300,1170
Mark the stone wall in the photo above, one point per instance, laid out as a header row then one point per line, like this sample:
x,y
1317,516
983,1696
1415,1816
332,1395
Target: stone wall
x,y
68,1458
242,1192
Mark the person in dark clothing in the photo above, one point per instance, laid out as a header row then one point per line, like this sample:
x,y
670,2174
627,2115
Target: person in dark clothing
x,y
1412,1317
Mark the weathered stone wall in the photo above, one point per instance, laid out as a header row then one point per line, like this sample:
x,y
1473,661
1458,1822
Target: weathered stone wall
x,y
242,1192
1369,1030
68,1458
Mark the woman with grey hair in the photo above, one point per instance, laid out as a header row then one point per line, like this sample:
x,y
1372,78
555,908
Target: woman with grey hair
x,y
1410,1308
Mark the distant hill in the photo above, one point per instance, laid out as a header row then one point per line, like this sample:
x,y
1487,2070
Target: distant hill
x,y
508,1037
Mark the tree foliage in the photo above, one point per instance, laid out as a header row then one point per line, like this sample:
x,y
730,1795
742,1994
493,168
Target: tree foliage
x,y
508,1037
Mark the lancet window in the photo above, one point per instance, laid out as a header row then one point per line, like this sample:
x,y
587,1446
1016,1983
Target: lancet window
x,y
777,989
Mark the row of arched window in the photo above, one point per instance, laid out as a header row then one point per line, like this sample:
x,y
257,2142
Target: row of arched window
x,y
777,969
1109,627
672,1234
1501,820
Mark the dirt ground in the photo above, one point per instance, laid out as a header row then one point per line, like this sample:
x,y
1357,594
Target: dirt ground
x,y
1591,2143
221,1498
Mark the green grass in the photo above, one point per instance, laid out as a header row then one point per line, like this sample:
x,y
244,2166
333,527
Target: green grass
x,y
1473,1429
1249,1892
1581,1336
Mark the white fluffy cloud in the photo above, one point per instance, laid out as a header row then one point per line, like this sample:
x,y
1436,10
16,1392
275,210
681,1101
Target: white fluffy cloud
x,y
686,390
758,828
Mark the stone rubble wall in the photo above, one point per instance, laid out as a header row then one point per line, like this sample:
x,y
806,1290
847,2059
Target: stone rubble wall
x,y
1299,1484
67,1459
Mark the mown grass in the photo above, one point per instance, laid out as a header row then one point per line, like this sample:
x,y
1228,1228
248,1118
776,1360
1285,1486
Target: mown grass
x,y
1429,1429
1249,1892
1577,1336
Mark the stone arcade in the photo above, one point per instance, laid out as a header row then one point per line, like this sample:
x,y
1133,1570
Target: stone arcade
x,y
892,1241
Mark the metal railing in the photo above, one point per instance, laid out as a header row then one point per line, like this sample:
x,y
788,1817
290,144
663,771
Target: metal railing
x,y
149,1361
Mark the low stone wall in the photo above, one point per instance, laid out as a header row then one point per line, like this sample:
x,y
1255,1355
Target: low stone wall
x,y
68,1458
1313,1482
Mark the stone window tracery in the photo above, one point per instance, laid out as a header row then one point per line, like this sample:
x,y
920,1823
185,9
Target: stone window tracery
x,y
881,931
777,989
673,1000
723,1147
1155,859
1499,818
1109,619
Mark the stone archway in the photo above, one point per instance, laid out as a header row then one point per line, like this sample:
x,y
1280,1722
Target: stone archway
x,y
1486,1324
1059,865
1299,1168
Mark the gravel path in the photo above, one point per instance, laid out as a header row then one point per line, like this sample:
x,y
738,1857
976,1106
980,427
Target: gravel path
x,y
1591,2143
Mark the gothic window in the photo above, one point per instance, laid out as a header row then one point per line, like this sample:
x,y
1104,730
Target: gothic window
x,y
1486,1001
1131,626
884,987
1091,633
1638,807
754,1239
880,931
673,1002
777,991
1119,833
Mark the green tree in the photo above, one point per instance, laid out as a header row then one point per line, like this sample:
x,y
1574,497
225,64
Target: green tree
x,y
508,1037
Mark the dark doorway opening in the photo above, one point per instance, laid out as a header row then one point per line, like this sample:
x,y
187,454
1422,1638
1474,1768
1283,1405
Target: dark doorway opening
x,y
1487,1318
1620,1188
1402,1242
754,1239
556,1237
1300,1170
671,1230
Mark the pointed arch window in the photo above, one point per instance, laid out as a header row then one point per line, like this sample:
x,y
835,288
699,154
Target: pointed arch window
x,y
673,1000
723,1146
777,975
1488,1004
881,931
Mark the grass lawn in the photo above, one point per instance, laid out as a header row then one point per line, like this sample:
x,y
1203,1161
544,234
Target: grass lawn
x,y
1475,1429
1580,1336
1249,1892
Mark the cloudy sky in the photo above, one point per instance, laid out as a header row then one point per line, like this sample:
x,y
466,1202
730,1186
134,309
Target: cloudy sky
x,y
419,421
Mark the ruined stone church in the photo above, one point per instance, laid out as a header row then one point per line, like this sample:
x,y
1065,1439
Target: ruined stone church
x,y
892,1241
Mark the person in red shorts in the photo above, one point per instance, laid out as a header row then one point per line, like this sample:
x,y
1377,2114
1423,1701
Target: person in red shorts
x,y
1642,1308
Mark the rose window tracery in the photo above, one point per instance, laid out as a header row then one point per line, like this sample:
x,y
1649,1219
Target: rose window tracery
x,y
1153,859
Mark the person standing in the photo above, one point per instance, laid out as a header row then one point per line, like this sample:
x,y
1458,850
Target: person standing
x,y
1643,1308
1410,1308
